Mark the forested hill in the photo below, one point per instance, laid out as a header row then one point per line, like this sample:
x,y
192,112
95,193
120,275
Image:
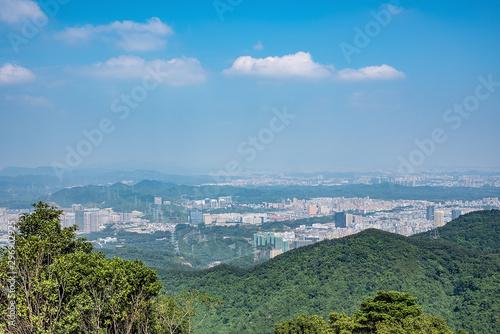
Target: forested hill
x,y
476,230
460,284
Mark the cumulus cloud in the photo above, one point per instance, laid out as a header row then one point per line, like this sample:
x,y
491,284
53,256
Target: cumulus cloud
x,y
13,11
299,65
176,72
11,74
129,35
383,72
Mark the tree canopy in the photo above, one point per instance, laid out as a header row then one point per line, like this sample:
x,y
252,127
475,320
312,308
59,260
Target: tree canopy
x,y
387,313
54,283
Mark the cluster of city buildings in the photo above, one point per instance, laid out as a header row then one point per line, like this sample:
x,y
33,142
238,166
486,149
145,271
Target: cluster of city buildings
x,y
346,216
10,215
402,217
90,220
423,179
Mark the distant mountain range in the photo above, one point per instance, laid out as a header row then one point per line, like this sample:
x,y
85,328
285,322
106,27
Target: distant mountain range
x,y
21,186
87,176
456,277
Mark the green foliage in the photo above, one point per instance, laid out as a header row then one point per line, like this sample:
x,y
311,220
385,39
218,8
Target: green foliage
x,y
341,323
475,230
302,325
198,246
387,313
450,281
183,314
387,307
61,286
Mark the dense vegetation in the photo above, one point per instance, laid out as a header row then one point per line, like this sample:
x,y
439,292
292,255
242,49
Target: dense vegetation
x,y
62,286
461,285
476,230
198,246
388,312
52,282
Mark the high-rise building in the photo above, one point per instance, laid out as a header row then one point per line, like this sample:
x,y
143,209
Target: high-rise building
x,y
455,214
158,201
279,241
91,220
68,219
207,219
78,210
341,219
357,219
430,212
312,210
438,218
196,217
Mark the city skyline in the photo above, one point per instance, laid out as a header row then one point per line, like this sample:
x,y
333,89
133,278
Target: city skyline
x,y
240,86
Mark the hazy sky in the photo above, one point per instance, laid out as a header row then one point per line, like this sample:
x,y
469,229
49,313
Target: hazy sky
x,y
230,84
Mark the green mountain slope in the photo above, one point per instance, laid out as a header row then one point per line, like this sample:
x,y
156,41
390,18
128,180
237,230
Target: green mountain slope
x,y
459,284
476,230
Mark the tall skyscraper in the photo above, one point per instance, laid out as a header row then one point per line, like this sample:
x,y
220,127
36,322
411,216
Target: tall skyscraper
x,y
91,220
438,218
455,214
77,209
341,219
312,210
214,204
196,217
430,212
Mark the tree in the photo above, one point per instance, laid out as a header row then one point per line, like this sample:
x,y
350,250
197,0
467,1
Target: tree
x,y
61,286
182,314
302,325
386,307
342,324
39,242
387,313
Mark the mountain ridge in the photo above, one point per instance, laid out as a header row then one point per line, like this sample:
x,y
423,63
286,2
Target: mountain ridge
x,y
450,280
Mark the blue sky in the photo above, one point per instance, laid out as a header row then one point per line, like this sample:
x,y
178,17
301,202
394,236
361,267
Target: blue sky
x,y
366,84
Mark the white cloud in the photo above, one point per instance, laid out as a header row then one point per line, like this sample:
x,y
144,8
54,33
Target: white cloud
x,y
31,101
14,74
301,65
298,65
176,72
12,11
129,35
258,46
384,72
